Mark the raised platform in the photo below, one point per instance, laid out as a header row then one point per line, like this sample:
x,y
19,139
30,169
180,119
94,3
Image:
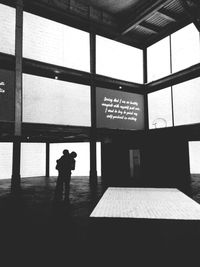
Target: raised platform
x,y
146,226
146,203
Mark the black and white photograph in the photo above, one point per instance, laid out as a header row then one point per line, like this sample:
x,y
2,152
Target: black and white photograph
x,y
99,133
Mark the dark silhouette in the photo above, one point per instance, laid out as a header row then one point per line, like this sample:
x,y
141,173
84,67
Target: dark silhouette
x,y
63,167
72,164
65,164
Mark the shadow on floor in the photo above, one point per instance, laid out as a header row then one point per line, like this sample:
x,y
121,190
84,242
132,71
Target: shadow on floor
x,y
36,229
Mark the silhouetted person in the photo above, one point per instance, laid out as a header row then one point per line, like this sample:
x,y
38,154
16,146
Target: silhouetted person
x,y
72,164
64,174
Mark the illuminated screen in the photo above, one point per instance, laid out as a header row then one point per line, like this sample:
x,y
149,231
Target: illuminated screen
x,y
119,110
82,160
160,109
33,159
186,99
6,160
158,59
6,95
185,48
7,29
52,42
194,153
118,60
55,102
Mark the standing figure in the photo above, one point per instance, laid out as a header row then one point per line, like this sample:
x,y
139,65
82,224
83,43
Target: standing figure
x,y
72,163
64,174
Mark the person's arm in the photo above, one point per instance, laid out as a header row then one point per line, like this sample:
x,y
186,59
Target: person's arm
x,y
73,164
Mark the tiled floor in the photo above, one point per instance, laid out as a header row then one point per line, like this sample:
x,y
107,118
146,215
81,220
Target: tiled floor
x,y
146,203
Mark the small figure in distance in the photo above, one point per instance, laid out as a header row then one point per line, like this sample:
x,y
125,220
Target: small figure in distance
x,y
72,164
64,174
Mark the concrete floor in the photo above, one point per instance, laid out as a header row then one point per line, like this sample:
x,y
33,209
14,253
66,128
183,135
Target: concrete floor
x,y
37,231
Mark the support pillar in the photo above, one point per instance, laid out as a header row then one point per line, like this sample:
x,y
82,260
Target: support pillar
x,y
47,159
16,177
93,169
15,181
146,116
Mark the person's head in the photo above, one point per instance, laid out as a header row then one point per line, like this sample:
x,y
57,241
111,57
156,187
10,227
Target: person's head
x,y
73,154
65,152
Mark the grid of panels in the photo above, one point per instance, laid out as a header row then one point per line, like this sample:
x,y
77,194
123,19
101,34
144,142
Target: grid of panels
x,y
181,52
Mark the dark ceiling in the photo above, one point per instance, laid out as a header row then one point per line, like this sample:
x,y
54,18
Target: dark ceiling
x,y
115,7
135,22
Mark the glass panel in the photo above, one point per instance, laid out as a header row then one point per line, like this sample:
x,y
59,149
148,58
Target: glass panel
x,y
194,157
55,102
194,152
119,110
33,159
55,43
98,148
186,98
82,160
118,60
158,60
160,109
185,48
6,95
6,160
7,29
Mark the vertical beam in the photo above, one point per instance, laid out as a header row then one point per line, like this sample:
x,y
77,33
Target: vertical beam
x,y
18,67
16,177
15,181
146,116
93,168
172,98
47,158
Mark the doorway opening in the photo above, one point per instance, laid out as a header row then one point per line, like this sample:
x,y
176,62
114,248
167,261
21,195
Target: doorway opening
x,y
135,166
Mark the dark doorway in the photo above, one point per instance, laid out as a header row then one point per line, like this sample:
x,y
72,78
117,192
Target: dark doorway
x,y
134,161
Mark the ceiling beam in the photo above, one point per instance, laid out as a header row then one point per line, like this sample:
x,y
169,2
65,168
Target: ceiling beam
x,y
192,7
150,27
167,15
172,79
167,31
144,14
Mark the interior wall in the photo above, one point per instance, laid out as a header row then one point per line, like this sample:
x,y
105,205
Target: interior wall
x,y
115,164
166,162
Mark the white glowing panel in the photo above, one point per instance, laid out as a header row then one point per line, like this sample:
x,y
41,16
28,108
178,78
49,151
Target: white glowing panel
x,y
33,159
98,155
160,109
6,150
186,99
7,29
185,48
194,152
55,43
118,60
55,102
82,159
146,203
158,60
